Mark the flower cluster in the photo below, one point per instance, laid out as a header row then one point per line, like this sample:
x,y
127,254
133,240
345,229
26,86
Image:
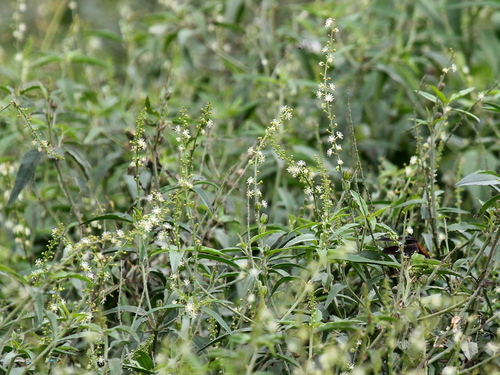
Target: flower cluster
x,y
325,93
19,26
257,156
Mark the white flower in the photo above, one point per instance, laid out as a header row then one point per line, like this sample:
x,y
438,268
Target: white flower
x,y
141,143
293,170
329,22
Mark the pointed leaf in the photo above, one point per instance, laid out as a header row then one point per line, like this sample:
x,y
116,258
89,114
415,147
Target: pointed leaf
x,y
480,178
440,95
217,317
428,96
13,274
490,202
204,197
461,93
112,216
361,203
25,173
492,107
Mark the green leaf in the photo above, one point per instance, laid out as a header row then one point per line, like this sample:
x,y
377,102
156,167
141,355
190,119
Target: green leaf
x,y
13,274
136,367
80,159
411,202
220,259
428,96
440,95
53,324
467,113
143,359
112,216
334,255
204,197
217,317
25,173
361,204
341,324
81,59
480,178
284,280
300,239
492,107
261,235
490,202
334,291
149,109
460,94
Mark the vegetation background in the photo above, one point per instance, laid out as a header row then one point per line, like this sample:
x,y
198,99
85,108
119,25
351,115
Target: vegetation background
x,y
207,187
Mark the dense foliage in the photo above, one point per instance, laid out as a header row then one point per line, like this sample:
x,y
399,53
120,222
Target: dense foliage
x,y
205,187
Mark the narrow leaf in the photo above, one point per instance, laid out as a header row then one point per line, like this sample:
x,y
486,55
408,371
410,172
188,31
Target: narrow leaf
x,y
440,95
480,178
461,93
492,107
25,173
217,317
490,202
112,216
427,96
361,203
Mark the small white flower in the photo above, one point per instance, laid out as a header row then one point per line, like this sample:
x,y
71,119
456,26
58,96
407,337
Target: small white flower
x,y
141,144
329,98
